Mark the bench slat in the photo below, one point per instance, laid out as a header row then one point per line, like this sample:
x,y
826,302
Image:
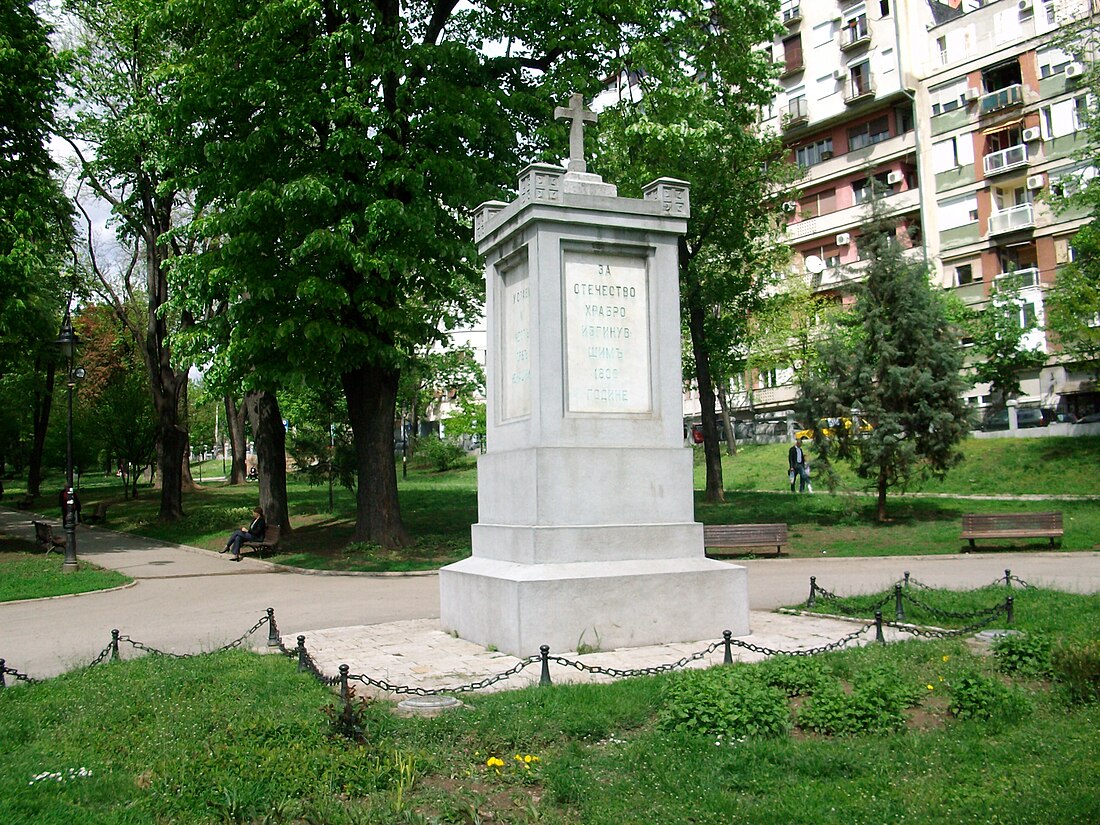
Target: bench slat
x,y
269,541
730,536
1012,525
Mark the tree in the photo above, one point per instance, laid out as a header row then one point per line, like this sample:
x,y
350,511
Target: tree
x,y
695,118
1000,332
336,147
898,363
113,128
452,373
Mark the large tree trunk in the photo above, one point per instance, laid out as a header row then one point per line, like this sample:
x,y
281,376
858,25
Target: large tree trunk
x,y
371,394
41,418
712,453
234,423
267,426
731,433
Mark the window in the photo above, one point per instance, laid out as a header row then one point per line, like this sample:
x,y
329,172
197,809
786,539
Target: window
x,y
813,153
863,190
884,8
964,274
1063,118
829,254
941,47
953,153
1052,61
956,212
1048,10
819,203
860,79
792,54
948,97
855,29
1080,113
903,118
869,133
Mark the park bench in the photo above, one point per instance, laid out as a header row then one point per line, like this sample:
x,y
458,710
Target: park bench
x,y
1012,526
268,542
99,516
721,537
44,535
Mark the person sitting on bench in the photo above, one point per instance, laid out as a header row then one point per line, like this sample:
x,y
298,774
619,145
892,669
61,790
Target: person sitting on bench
x,y
255,532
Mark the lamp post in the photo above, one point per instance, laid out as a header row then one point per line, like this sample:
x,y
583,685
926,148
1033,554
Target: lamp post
x,y
67,341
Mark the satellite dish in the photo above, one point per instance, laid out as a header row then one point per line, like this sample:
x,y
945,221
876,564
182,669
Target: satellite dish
x,y
814,264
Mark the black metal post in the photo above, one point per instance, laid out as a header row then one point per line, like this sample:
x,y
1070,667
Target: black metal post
x,y
301,653
1008,578
272,629
899,610
344,683
1008,609
114,645
728,658
878,628
544,678
906,579
810,602
3,671
67,340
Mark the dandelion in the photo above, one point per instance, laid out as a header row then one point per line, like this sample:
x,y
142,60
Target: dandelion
x,y
494,762
930,687
947,658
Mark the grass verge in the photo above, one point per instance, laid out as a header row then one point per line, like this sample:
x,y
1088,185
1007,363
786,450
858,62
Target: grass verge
x,y
28,573
913,732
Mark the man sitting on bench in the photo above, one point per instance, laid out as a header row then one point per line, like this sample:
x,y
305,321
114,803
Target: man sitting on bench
x,y
255,532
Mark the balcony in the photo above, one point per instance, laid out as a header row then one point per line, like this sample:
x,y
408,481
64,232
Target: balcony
x,y
857,89
1009,220
1001,99
1011,158
792,16
1023,278
853,37
797,114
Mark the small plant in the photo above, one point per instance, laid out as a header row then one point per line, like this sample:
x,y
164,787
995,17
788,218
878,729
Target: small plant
x,y
584,647
1076,667
440,453
731,702
1023,654
875,704
974,696
795,675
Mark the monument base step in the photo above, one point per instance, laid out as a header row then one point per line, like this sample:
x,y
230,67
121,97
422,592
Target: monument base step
x,y
516,608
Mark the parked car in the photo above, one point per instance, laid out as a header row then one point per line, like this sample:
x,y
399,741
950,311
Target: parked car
x,y
1025,417
1091,418
830,426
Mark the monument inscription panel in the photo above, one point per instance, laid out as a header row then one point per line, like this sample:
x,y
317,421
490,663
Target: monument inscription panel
x,y
515,343
606,316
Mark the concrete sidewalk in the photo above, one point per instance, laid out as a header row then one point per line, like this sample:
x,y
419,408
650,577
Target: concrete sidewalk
x,y
189,600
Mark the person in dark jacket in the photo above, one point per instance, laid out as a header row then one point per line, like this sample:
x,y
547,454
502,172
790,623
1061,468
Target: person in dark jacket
x,y
63,502
255,532
797,466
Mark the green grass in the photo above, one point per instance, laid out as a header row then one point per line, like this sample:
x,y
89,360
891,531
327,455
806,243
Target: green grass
x,y
27,573
240,737
438,508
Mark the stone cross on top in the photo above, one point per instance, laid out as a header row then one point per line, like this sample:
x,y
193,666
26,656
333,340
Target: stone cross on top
x,y
579,116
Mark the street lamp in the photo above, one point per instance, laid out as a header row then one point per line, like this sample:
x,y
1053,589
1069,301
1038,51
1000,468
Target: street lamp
x,y
67,342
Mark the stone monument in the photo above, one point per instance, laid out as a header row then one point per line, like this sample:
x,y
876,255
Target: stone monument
x,y
586,531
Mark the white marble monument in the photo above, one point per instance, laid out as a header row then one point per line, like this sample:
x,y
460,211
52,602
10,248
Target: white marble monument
x,y
586,530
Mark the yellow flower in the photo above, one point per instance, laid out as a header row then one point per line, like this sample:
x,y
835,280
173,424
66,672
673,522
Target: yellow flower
x,y
946,658
930,687
529,759
519,758
494,762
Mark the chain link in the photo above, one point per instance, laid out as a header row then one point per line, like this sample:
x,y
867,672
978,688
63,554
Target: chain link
x,y
836,602
940,633
21,677
952,614
381,684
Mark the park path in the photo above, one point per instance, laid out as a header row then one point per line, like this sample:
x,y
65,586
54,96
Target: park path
x,y
186,600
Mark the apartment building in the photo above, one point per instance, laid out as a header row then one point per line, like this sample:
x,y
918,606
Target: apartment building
x,y
964,113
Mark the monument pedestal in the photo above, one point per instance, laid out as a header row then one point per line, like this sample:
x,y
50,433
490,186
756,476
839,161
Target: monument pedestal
x,y
586,530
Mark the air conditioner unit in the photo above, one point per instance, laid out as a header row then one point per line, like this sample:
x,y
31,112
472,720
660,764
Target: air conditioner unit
x,y
1074,70
790,206
839,74
826,154
894,177
1023,6
1033,134
972,93
843,239
1036,181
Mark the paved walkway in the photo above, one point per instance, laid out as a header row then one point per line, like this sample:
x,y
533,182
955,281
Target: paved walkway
x,y
186,600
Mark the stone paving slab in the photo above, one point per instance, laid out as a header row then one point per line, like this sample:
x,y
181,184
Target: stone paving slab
x,y
417,654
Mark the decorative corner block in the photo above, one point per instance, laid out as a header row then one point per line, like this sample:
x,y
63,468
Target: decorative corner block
x,y
540,182
483,217
672,194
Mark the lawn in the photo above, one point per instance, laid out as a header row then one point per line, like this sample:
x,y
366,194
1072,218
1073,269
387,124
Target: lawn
x,y
920,731
28,573
438,508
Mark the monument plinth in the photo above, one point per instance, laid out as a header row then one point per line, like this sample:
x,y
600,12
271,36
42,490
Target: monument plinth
x,y
586,529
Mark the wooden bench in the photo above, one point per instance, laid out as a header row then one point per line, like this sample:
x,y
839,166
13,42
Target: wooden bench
x,y
1012,526
268,542
720,537
44,535
99,516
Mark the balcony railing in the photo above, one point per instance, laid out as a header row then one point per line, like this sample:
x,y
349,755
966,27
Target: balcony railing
x,y
1011,158
1023,278
1002,98
858,88
1009,220
792,15
798,113
854,36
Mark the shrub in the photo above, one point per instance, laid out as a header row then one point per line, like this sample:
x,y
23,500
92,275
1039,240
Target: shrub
x,y
440,453
1076,666
794,675
875,705
1024,654
974,696
734,702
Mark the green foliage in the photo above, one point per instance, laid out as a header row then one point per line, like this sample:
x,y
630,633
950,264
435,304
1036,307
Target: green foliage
x,y
733,702
440,453
986,698
999,337
27,575
1076,667
1024,654
795,675
875,704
